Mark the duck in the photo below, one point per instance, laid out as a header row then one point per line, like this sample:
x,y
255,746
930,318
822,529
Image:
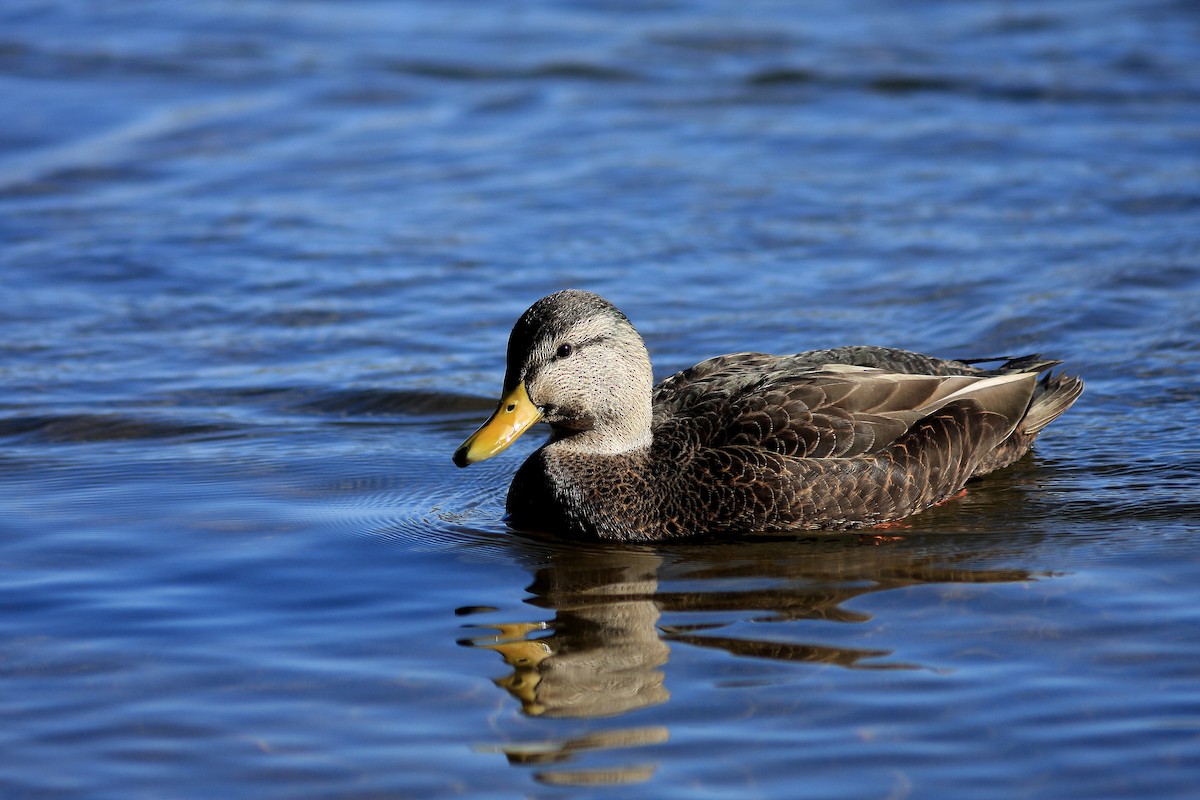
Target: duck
x,y
857,436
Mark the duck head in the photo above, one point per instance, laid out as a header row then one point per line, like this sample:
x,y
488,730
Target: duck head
x,y
576,362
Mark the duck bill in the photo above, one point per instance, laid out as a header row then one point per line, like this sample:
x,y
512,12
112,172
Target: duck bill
x,y
515,414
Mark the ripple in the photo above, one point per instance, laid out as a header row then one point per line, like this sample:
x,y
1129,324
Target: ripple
x,y
903,83
83,428
561,70
390,402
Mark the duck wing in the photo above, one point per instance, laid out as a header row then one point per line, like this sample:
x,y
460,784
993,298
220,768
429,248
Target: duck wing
x,y
746,368
773,404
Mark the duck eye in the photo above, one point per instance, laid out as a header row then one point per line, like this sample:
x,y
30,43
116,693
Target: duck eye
x,y
563,351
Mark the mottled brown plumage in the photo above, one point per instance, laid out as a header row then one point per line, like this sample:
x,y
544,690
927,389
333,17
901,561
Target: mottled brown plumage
x,y
841,438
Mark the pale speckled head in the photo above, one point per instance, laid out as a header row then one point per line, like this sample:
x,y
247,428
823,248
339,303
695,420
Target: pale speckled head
x,y
577,362
581,360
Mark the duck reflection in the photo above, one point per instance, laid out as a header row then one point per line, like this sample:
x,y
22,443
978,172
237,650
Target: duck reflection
x,y
618,612
602,653
556,751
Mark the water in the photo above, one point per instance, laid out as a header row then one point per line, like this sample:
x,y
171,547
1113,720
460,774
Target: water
x,y
260,261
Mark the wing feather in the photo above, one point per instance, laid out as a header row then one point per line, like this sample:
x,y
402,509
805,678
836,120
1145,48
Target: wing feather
x,y
751,400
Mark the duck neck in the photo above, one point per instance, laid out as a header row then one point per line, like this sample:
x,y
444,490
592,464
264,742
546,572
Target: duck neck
x,y
612,435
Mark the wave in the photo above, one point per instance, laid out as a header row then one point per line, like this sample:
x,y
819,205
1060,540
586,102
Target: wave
x,y
82,428
391,402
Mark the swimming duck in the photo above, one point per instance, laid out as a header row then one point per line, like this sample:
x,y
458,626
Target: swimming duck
x,y
843,438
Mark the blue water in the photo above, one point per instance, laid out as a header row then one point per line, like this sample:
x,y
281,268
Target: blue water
x,y
260,260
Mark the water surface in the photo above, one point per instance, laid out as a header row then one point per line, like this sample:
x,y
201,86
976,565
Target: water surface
x,y
260,261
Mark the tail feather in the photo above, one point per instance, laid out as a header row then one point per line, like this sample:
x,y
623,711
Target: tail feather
x,y
1054,395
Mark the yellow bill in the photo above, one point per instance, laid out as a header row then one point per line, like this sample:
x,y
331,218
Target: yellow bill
x,y
515,414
